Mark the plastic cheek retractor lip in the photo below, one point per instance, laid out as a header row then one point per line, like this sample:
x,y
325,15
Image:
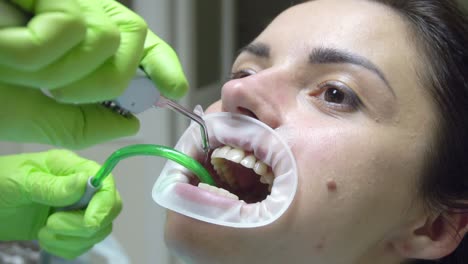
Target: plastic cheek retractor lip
x,y
176,190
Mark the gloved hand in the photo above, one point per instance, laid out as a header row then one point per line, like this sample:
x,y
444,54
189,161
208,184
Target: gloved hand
x,y
34,185
81,51
27,115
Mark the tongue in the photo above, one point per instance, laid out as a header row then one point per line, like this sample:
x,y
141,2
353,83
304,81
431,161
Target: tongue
x,y
246,178
249,188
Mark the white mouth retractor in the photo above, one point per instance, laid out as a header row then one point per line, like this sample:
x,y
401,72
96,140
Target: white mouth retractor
x,y
173,191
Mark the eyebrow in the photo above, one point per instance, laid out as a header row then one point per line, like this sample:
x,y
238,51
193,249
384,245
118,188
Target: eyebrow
x,y
330,56
324,55
258,49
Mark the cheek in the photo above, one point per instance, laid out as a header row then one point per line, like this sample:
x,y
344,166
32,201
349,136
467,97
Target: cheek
x,y
353,172
321,151
354,154
215,107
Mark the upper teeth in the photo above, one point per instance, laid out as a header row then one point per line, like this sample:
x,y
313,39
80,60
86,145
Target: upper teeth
x,y
237,155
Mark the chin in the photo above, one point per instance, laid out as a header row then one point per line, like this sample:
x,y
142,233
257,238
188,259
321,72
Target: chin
x,y
196,242
193,241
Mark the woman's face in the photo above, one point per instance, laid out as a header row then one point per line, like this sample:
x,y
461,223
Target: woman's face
x,y
338,79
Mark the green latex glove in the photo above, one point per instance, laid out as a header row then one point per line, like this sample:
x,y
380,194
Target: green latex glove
x,y
29,116
85,51
81,51
33,185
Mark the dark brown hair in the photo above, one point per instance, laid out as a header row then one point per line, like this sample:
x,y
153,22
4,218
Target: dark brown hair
x,y
440,29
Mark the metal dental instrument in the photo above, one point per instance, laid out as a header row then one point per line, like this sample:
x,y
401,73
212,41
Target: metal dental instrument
x,y
164,102
142,95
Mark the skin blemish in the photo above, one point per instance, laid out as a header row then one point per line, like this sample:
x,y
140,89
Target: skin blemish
x,y
321,244
389,247
332,186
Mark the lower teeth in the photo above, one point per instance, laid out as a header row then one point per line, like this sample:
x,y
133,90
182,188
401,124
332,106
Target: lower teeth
x,y
217,191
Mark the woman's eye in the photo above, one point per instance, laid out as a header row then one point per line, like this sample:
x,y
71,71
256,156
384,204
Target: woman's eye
x,y
334,95
337,96
241,74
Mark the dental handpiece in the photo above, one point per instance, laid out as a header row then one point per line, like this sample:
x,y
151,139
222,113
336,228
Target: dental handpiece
x,y
142,95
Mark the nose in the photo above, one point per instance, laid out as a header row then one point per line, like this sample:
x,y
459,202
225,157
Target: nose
x,y
263,96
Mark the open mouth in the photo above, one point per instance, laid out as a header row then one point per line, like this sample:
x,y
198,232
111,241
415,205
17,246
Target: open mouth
x,y
253,168
238,174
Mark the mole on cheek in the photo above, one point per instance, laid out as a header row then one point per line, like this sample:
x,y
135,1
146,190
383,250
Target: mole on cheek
x,y
332,186
321,244
389,247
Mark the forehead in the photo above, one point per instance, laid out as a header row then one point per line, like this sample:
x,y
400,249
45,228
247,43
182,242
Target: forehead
x,y
342,23
363,27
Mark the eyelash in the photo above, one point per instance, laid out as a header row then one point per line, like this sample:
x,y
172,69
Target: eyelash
x,y
241,74
353,104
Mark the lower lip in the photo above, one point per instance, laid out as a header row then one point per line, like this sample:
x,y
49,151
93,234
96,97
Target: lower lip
x,y
204,197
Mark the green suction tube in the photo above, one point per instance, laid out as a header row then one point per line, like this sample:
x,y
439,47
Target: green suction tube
x,y
152,150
